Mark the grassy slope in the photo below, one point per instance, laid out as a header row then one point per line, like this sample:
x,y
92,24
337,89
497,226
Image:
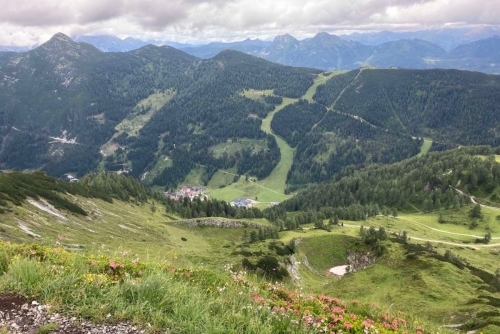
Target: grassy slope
x,y
424,286
426,146
321,79
162,297
141,114
431,289
120,227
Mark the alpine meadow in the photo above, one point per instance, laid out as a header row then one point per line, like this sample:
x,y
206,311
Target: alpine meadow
x,y
207,190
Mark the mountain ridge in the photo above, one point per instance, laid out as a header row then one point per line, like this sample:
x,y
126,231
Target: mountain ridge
x,y
331,52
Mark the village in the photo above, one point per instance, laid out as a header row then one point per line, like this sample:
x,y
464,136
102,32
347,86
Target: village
x,y
193,192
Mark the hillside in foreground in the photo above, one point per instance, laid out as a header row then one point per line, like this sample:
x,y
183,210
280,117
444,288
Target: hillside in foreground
x,y
128,261
120,246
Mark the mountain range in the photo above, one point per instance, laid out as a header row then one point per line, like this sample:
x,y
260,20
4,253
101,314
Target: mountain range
x,y
330,52
67,107
467,49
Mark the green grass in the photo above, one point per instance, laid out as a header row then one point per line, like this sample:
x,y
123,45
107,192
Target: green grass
x,y
326,251
256,94
48,328
432,289
109,229
163,163
162,297
231,148
194,178
319,80
143,112
277,179
425,286
426,146
250,190
222,178
140,115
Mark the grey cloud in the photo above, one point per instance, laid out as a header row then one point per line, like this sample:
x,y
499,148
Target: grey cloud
x,y
37,13
240,17
96,11
156,14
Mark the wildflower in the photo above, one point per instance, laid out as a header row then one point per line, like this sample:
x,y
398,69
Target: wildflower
x,y
112,264
367,323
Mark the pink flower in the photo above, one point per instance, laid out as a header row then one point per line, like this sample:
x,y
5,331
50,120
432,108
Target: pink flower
x,y
348,326
367,323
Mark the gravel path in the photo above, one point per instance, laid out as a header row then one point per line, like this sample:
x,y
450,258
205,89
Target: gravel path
x,y
22,316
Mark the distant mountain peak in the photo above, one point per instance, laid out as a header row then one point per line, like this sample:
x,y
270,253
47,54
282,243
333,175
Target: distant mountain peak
x,y
61,37
324,35
286,38
62,45
324,38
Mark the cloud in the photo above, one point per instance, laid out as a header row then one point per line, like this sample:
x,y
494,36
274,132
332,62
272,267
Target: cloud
x,y
209,18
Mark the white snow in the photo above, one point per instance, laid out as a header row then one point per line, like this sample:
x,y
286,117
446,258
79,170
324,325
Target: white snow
x,y
339,270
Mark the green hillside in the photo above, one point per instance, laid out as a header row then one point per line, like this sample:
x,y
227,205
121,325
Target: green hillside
x,y
449,106
125,240
430,182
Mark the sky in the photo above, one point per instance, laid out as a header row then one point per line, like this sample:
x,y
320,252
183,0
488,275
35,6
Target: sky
x,y
31,22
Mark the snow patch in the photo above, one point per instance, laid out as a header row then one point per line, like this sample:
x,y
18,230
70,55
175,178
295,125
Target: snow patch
x,y
339,270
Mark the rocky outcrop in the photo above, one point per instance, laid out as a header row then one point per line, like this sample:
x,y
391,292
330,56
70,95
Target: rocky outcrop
x,y
216,222
359,260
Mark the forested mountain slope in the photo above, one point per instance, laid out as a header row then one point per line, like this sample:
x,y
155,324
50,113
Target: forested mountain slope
x,y
162,114
449,106
63,100
435,181
381,116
